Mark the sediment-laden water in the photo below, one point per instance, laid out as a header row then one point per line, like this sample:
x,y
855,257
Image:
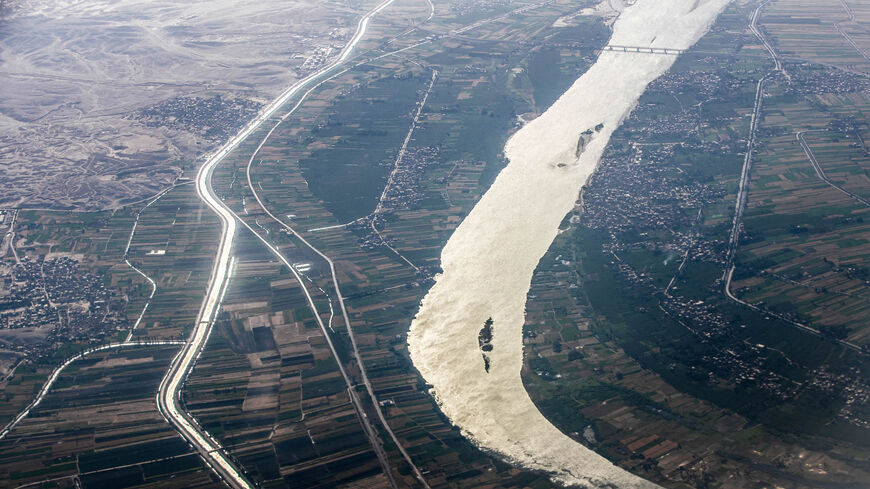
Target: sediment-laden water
x,y
488,262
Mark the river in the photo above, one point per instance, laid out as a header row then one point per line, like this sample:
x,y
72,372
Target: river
x,y
489,260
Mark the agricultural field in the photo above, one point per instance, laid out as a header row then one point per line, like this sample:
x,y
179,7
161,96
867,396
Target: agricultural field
x,y
648,423
627,320
806,249
631,346
268,386
99,428
326,167
833,33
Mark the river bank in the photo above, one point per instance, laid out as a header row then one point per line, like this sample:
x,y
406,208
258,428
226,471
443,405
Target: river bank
x,y
488,262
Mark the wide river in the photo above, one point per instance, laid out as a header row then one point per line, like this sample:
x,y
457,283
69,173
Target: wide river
x,y
488,262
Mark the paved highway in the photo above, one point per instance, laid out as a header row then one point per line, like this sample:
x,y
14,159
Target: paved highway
x,y
168,395
753,25
743,187
367,424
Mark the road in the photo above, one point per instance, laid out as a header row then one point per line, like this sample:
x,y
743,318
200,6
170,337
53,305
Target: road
x,y
820,172
685,256
848,10
59,369
801,326
743,187
168,394
140,272
515,11
402,150
10,237
753,26
851,41
846,35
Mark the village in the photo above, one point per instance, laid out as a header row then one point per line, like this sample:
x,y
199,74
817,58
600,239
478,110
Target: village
x,y
51,301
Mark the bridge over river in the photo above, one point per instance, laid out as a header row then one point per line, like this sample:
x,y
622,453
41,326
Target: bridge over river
x,y
643,49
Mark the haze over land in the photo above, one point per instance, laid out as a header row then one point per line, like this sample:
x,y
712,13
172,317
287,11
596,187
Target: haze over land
x,y
102,99
488,262
586,341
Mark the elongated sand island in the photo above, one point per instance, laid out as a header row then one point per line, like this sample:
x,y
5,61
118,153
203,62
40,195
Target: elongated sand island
x,y
472,362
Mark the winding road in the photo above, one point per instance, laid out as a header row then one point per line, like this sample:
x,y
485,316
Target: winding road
x,y
55,374
743,188
128,342
168,395
136,269
820,172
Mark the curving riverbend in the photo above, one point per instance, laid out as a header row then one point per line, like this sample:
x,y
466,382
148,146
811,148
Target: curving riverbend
x,y
488,262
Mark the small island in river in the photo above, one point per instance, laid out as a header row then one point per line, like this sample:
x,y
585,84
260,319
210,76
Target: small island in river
x,y
484,339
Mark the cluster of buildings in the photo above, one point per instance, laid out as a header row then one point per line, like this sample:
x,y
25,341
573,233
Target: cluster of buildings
x,y
403,192
706,83
830,80
678,125
744,364
851,386
213,118
640,190
316,59
55,300
463,7
852,128
370,239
